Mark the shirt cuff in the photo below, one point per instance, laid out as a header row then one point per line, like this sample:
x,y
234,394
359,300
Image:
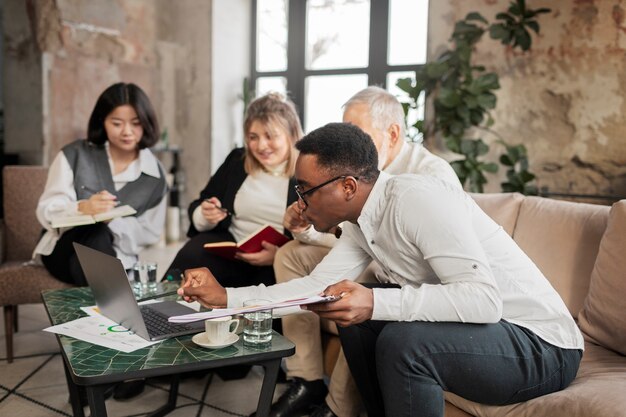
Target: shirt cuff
x,y
387,304
200,223
313,237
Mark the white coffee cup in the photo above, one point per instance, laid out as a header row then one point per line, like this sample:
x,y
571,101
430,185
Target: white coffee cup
x,y
220,329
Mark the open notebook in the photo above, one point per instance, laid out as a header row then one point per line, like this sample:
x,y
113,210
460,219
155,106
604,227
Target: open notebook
x,y
82,219
250,244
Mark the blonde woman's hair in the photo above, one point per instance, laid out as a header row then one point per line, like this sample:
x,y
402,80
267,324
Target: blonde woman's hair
x,y
276,111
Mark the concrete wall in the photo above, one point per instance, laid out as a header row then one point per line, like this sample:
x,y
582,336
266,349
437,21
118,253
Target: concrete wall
x,y
60,55
564,99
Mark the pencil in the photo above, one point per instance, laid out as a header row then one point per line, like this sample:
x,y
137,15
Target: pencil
x,y
163,294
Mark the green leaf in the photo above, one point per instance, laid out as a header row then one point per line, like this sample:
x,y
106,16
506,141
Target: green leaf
x,y
470,101
523,39
476,16
481,147
405,84
490,167
505,16
526,176
533,25
488,100
448,98
499,31
436,69
488,81
456,128
505,160
476,116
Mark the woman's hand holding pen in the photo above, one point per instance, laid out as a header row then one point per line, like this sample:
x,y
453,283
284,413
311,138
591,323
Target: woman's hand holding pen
x,y
99,202
212,210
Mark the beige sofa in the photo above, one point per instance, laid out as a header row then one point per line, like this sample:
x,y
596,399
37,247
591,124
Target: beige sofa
x,y
581,249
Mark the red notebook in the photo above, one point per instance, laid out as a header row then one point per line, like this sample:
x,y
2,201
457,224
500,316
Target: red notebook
x,y
251,244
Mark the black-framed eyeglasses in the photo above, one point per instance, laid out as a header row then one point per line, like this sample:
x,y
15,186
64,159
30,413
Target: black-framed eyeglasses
x,y
301,193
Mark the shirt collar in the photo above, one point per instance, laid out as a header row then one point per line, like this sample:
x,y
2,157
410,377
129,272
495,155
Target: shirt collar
x,y
375,202
147,161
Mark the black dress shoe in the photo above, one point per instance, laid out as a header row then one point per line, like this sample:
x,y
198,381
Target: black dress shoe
x,y
300,398
323,411
129,389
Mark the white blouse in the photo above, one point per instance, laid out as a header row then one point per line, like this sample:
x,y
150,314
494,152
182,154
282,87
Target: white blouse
x,y
130,234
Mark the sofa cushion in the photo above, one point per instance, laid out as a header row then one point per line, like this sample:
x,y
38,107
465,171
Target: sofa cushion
x,y
562,238
598,390
503,208
603,317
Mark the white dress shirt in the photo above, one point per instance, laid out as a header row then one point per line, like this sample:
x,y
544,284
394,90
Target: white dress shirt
x,y
413,158
452,261
130,234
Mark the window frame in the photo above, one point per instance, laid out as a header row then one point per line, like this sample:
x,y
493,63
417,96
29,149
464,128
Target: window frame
x,y
296,72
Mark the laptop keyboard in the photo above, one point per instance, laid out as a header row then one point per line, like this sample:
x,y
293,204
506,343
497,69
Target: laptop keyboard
x,y
157,324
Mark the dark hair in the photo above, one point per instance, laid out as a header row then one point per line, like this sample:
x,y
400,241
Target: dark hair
x,y
117,95
342,149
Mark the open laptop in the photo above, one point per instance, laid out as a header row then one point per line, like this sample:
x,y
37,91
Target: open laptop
x,y
115,299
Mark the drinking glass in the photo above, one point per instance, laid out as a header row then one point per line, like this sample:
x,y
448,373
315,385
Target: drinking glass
x,y
145,277
257,326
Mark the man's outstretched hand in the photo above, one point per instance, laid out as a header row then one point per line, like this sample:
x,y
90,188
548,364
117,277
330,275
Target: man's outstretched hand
x,y
200,285
355,306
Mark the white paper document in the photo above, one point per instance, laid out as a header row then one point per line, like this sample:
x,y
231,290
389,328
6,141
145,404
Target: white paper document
x,y
101,331
222,312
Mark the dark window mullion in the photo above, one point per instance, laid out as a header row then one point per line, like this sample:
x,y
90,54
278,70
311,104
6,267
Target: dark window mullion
x,y
379,24
296,53
253,46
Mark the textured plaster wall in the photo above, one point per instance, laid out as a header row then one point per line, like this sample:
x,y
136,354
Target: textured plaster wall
x,y
564,99
62,54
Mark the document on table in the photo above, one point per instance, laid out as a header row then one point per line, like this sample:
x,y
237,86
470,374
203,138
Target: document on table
x,y
101,331
222,312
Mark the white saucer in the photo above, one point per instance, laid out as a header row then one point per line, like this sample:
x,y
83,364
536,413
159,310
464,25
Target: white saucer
x,y
201,340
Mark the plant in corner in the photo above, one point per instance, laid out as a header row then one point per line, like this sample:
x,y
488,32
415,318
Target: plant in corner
x,y
463,95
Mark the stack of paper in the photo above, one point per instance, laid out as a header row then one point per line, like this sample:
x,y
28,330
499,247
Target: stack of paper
x,y
222,312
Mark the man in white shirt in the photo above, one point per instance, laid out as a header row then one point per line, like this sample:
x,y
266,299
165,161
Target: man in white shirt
x,y
471,314
379,114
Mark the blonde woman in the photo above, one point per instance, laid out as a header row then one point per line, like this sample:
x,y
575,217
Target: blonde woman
x,y
251,188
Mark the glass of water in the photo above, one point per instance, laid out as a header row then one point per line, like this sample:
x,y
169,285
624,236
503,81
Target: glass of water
x,y
145,277
257,326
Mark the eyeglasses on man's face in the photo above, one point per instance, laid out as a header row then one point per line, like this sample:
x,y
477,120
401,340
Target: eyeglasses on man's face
x,y
301,193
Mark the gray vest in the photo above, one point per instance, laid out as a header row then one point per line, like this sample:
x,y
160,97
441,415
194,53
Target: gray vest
x,y
92,173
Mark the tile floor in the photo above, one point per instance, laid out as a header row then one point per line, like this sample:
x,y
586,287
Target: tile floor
x,y
34,384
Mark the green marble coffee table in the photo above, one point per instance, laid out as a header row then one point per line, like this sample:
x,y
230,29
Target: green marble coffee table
x,y
96,368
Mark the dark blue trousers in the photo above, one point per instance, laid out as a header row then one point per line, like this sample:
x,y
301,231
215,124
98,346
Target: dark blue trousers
x,y
403,368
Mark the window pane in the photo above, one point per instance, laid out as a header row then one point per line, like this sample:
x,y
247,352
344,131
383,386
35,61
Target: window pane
x,y
271,35
337,34
403,97
274,84
326,94
408,26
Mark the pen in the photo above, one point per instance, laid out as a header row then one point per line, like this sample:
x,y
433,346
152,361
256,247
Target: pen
x,y
222,209
163,294
91,190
